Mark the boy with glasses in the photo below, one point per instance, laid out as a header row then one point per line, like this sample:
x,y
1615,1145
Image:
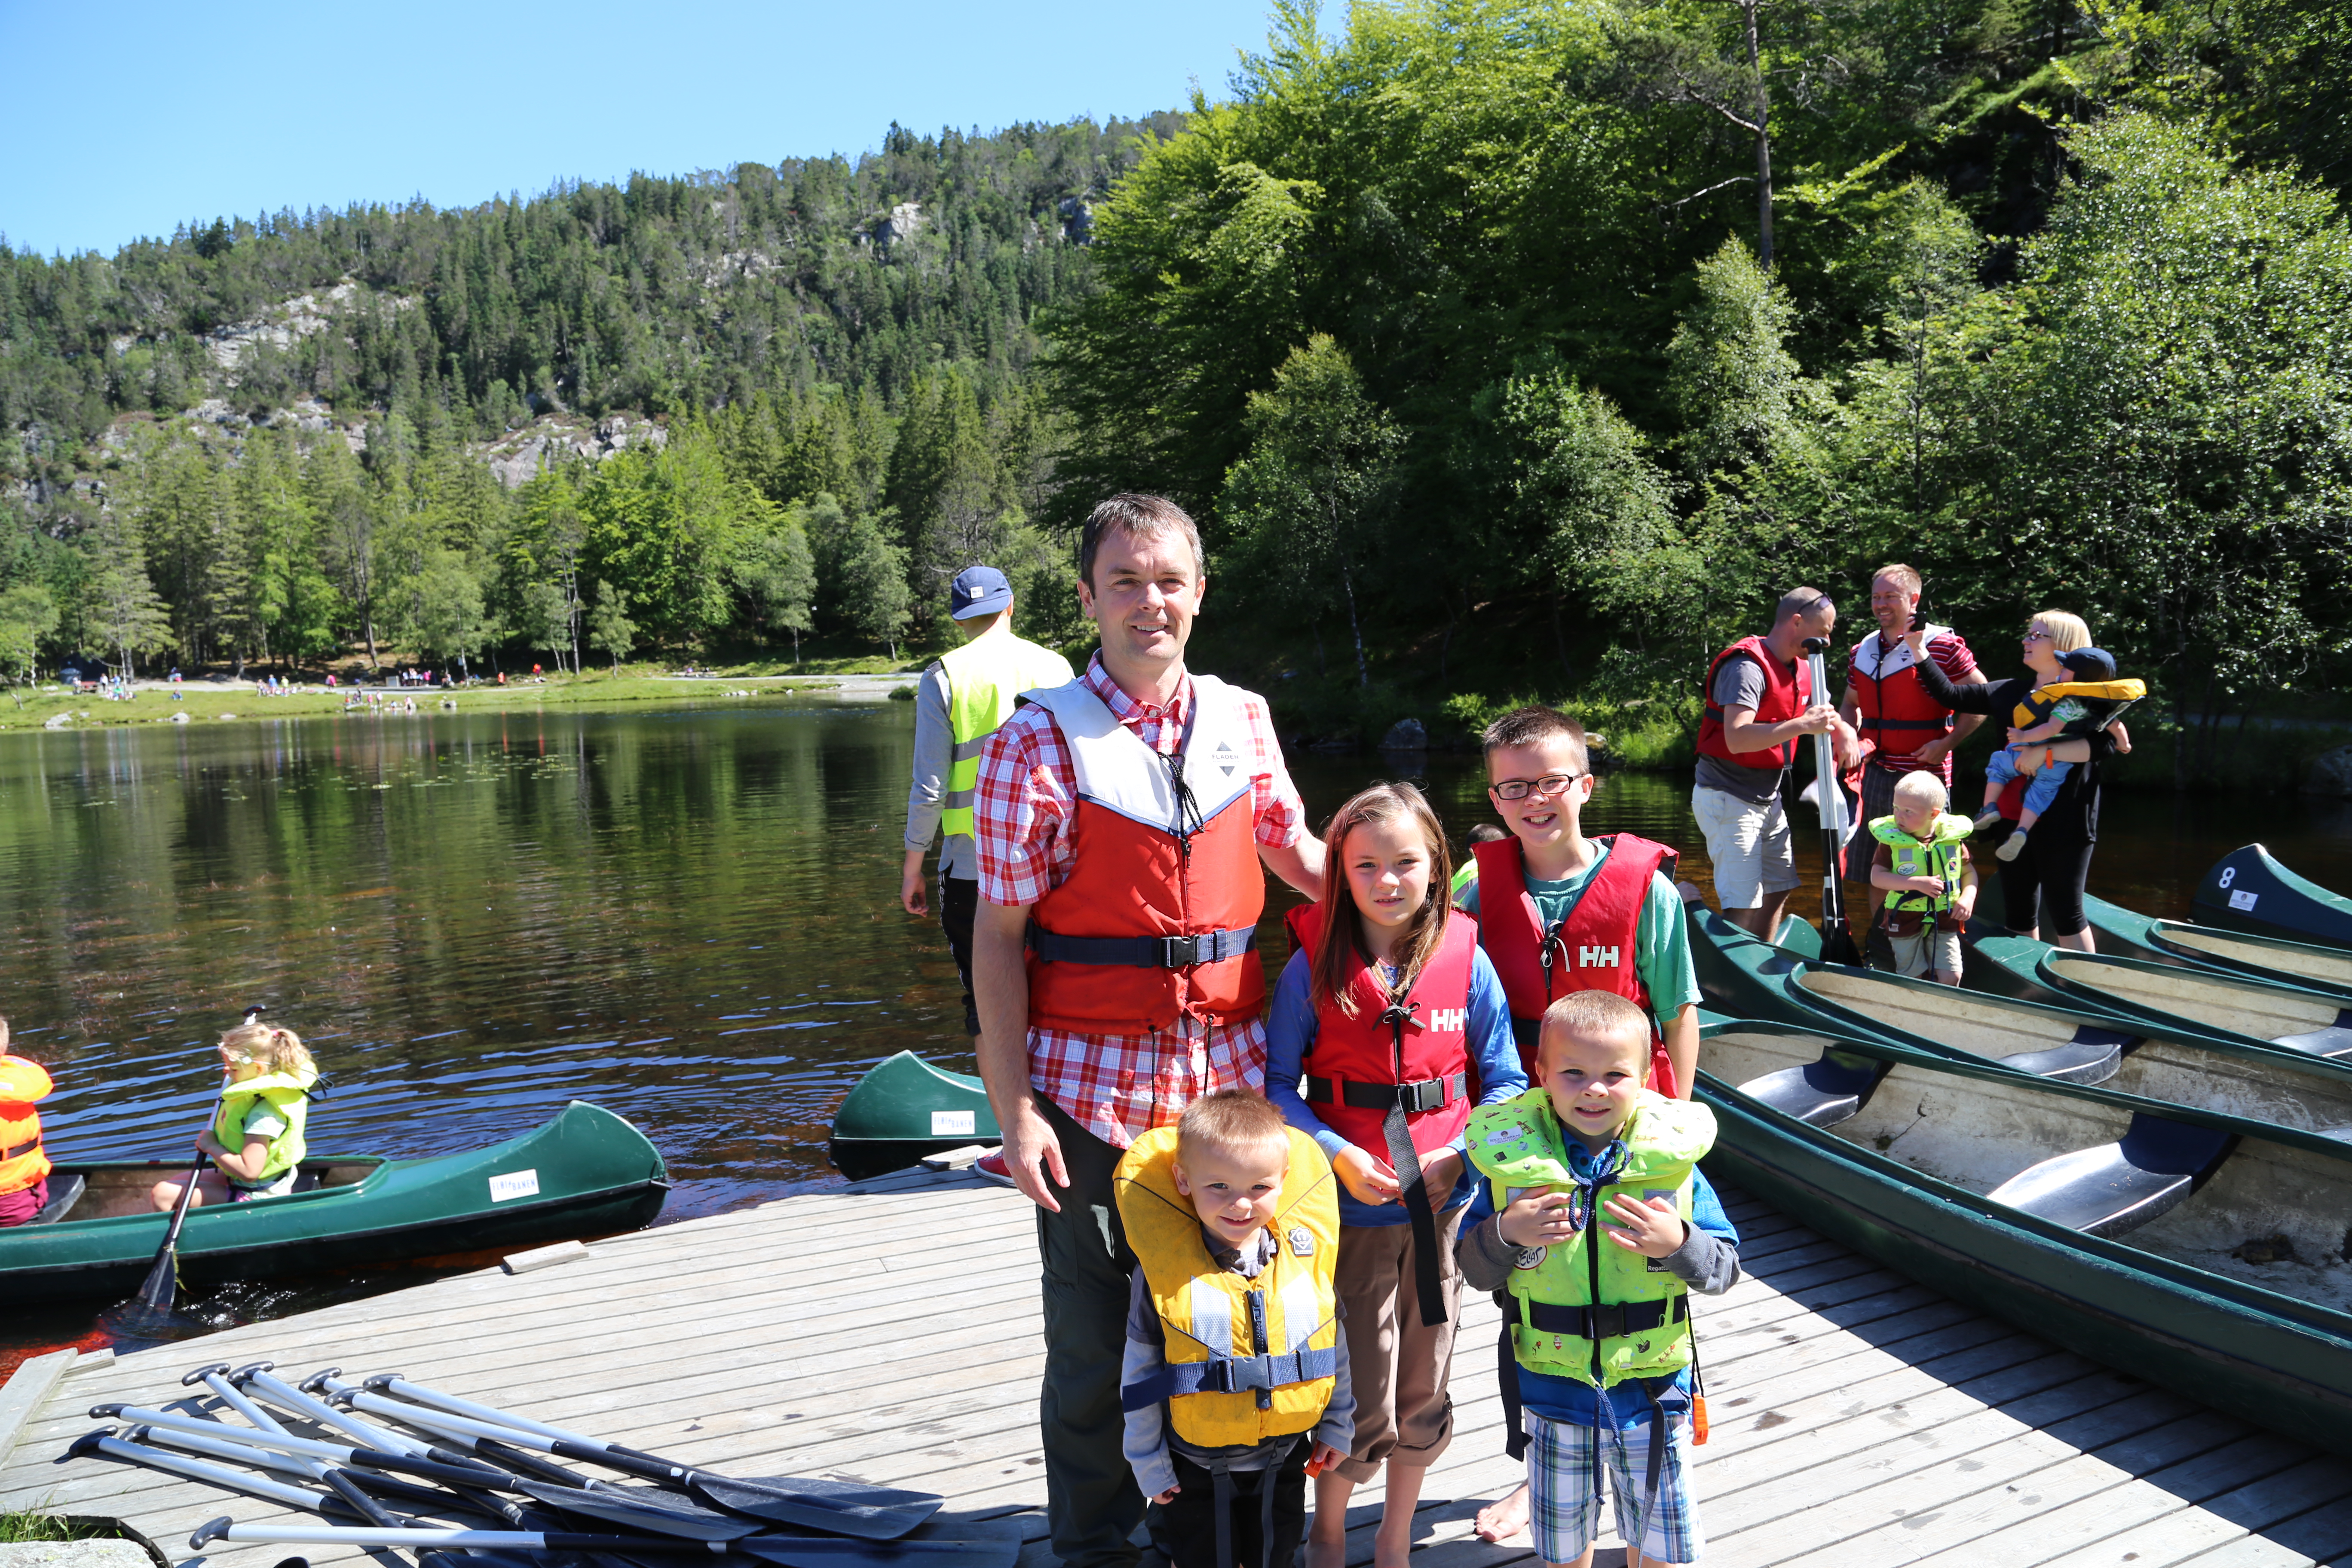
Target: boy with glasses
x,y
1558,912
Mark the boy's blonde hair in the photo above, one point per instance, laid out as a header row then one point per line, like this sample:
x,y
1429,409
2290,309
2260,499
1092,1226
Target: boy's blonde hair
x,y
1592,1014
266,1045
2068,631
1922,786
1230,1122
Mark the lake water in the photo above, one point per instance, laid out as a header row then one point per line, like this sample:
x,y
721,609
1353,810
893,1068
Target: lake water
x,y
686,916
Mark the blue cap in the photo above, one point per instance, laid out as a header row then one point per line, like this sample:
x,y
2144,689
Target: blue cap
x,y
2090,663
978,591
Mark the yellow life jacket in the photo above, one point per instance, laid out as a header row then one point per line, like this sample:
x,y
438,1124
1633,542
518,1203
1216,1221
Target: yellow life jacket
x,y
1591,1310
1246,1359
1936,856
23,1162
289,1094
2114,696
983,677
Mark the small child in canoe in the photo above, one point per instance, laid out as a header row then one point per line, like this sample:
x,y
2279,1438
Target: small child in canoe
x,y
24,1167
1235,1377
256,1140
1922,866
2094,700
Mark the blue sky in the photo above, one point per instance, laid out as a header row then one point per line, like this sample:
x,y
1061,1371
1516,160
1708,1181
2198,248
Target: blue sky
x,y
127,119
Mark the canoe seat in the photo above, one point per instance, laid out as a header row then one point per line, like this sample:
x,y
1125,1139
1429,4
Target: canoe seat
x,y
2117,1187
65,1191
2335,1040
1821,1093
2093,1056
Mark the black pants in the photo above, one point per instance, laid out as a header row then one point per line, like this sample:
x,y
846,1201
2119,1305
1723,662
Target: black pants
x,y
1186,1529
959,906
2046,878
1092,1503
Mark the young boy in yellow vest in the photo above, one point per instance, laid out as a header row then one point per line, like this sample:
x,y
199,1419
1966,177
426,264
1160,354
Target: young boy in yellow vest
x,y
1235,1377
1594,1218
1922,866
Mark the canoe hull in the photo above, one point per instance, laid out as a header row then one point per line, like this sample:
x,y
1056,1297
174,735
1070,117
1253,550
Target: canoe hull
x,y
585,1173
904,1108
2086,1295
2247,889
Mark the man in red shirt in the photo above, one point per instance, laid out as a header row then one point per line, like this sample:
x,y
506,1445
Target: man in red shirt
x,y
1120,822
1901,728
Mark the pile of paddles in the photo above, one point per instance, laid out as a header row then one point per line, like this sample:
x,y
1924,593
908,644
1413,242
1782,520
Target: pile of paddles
x,y
392,1464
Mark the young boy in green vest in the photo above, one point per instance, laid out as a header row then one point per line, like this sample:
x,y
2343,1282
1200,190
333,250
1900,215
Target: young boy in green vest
x,y
1593,1217
1922,866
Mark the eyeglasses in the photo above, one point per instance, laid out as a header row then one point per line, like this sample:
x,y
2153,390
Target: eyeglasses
x,y
2034,633
1519,789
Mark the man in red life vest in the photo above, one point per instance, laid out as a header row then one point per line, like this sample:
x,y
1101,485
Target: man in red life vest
x,y
1120,822
1759,703
1901,729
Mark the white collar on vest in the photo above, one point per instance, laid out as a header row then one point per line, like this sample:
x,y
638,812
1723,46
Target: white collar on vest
x,y
1869,656
1117,770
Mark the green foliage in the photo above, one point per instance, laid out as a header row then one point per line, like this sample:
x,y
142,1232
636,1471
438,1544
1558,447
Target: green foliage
x,y
873,584
27,616
609,630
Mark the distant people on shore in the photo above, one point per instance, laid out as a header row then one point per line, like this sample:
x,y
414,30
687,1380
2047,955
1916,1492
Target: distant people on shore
x,y
959,703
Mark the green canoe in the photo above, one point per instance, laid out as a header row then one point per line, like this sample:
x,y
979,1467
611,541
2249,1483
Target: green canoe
x,y
2196,1250
585,1173
1743,977
2247,889
2189,1002
903,1109
2131,934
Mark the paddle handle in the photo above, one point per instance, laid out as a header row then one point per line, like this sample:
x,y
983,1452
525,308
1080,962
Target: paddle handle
x,y
226,1529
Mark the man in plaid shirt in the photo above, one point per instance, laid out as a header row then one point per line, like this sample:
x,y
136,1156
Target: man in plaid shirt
x,y
1071,1101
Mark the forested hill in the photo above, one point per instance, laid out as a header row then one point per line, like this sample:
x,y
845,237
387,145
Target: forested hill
x,y
660,295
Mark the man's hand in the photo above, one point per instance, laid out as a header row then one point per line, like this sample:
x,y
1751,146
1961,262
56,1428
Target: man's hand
x,y
1930,753
999,980
1029,1143
1652,1229
1367,1177
1820,718
1539,1220
911,885
1845,746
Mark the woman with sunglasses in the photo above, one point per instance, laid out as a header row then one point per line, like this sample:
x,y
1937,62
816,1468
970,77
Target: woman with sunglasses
x,y
2049,873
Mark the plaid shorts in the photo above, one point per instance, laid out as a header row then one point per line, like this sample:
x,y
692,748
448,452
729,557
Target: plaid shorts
x,y
1564,1508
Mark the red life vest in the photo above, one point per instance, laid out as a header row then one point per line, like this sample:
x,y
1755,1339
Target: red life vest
x,y
1156,919
1361,1054
1898,715
1592,950
22,1160
1788,691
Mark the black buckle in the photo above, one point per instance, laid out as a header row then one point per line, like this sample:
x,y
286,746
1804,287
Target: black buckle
x,y
1429,1094
1242,1375
1180,951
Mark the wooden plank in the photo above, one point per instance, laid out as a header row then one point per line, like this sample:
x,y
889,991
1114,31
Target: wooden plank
x,y
27,1389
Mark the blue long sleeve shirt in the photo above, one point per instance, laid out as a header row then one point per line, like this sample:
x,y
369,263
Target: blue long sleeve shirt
x,y
1290,1031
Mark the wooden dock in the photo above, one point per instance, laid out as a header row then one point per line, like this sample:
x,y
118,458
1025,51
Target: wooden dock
x,y
890,1332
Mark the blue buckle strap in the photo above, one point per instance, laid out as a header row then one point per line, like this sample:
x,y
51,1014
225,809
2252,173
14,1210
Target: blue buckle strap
x,y
1230,1374
1141,952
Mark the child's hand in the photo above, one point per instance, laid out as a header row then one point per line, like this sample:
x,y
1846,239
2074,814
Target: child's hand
x,y
209,1146
1366,1176
1164,1498
1321,1459
1439,1172
1539,1220
1652,1229
1965,905
2121,737
1929,885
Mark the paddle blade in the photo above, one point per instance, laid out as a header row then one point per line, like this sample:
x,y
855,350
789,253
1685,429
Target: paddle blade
x,y
161,1291
945,1543
815,1502
658,1513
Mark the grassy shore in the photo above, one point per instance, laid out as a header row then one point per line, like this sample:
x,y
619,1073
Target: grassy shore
x,y
203,702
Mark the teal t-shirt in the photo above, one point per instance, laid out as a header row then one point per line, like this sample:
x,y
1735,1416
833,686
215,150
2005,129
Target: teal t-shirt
x,y
1661,937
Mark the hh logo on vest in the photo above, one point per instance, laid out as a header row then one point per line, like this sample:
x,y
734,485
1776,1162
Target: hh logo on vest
x,y
1596,958
1453,1020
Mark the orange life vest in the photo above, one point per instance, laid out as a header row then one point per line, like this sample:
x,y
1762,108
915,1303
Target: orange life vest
x,y
23,1162
1788,691
1898,715
1594,950
1156,920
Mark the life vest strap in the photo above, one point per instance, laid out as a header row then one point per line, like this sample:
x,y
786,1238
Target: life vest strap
x,y
1614,1321
1427,1094
1142,951
1230,1374
27,1147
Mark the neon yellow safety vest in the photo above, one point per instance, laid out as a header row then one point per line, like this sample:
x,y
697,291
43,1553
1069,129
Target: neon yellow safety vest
x,y
1246,1359
289,1095
1591,1310
983,677
1936,856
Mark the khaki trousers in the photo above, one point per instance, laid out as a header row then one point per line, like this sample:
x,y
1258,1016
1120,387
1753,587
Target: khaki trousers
x,y
1396,1367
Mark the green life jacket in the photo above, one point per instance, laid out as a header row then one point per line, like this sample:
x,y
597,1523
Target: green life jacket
x,y
983,677
289,1094
1936,856
1591,1310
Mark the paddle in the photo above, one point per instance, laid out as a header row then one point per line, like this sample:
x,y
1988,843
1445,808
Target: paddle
x,y
845,1508
980,1543
105,1444
340,1480
463,1474
1837,939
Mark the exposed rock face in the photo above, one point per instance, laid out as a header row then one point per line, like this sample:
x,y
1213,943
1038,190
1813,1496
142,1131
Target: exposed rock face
x,y
525,454
1405,735
283,327
905,222
2331,773
1078,220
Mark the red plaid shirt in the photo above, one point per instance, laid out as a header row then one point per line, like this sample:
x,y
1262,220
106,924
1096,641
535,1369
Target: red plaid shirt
x,y
1117,1085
